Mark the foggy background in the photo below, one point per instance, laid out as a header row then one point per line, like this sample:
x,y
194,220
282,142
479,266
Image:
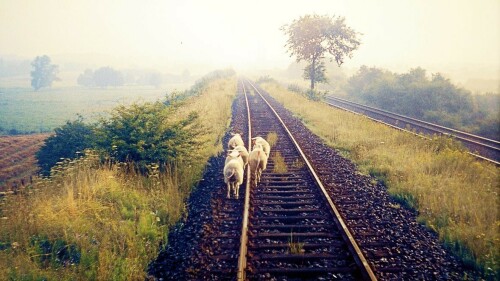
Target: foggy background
x,y
460,39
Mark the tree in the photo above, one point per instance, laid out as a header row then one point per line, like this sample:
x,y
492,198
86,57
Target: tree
x,y
311,37
107,76
86,78
44,73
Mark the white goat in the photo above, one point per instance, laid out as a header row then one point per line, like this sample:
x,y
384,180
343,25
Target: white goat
x,y
233,173
243,152
235,141
258,162
264,143
234,154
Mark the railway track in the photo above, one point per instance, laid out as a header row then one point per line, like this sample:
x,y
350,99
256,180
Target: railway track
x,y
285,227
294,229
481,147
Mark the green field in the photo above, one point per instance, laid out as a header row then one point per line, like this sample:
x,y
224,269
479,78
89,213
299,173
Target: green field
x,y
22,110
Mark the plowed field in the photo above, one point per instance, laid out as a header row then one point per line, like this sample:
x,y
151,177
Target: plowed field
x,y
17,159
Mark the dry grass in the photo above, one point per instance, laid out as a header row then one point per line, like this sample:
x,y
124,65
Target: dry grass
x,y
279,163
115,221
295,247
95,222
272,138
456,195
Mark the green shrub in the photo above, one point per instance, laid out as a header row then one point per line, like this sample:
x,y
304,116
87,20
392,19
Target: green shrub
x,y
139,133
146,133
68,140
296,88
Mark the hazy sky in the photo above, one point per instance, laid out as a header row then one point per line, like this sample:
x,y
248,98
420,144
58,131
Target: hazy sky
x,y
397,34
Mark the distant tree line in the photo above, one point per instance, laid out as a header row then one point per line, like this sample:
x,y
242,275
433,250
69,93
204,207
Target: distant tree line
x,y
103,77
435,100
109,77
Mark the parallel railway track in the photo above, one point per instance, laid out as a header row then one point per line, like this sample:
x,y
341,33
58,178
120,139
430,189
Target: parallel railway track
x,y
481,147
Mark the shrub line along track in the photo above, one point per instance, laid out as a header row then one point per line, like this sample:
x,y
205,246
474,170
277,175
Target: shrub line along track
x,y
280,213
484,148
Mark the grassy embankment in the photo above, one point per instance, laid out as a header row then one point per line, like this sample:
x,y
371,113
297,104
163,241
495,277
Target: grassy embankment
x,y
94,222
455,194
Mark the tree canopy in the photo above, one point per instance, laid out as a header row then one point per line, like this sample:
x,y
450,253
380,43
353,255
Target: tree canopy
x,y
107,76
43,73
312,37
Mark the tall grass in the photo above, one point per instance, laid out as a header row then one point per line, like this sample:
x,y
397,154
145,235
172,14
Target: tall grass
x,y
456,195
93,221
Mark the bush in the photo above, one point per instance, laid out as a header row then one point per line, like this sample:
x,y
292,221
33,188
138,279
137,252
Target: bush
x,y
296,88
140,133
315,95
146,134
73,137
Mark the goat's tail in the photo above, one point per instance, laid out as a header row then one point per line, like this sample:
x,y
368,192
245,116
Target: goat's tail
x,y
232,174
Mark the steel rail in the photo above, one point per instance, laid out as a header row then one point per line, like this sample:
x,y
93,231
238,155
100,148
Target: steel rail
x,y
242,259
438,128
464,137
355,250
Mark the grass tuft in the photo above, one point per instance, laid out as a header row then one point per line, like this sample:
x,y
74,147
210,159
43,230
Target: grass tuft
x,y
280,166
272,138
294,246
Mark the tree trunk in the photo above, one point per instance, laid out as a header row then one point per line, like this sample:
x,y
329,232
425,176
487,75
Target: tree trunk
x,y
313,72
